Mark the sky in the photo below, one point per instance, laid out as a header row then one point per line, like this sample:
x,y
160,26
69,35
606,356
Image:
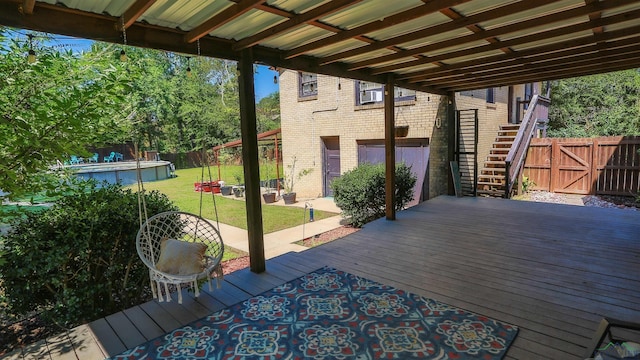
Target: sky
x,y
263,77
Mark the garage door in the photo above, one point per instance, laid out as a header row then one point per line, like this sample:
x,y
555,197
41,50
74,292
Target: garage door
x,y
413,152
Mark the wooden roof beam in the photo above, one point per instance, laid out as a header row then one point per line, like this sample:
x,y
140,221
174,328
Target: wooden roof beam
x,y
309,16
438,29
551,65
503,30
221,18
587,69
557,49
512,42
133,13
427,8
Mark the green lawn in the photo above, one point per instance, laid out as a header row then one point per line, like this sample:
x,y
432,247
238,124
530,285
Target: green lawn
x,y
230,211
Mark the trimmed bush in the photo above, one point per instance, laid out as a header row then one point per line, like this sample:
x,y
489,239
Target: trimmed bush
x,y
77,261
360,193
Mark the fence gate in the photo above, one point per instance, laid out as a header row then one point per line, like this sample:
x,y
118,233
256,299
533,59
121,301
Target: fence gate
x,y
466,150
604,165
572,166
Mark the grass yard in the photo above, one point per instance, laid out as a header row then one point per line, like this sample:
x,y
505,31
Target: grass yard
x,y
230,211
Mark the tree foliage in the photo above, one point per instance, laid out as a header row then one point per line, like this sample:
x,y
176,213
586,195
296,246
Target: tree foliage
x,y
67,102
268,112
51,109
360,193
77,261
596,105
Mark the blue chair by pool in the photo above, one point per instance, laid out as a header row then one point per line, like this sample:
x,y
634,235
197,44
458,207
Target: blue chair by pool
x,y
114,156
111,157
75,160
94,158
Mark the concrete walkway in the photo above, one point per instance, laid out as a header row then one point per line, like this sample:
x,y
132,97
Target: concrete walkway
x,y
281,242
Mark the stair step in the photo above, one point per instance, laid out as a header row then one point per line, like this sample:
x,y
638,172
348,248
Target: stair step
x,y
501,138
491,177
499,150
490,193
493,162
501,145
497,157
490,183
496,169
515,127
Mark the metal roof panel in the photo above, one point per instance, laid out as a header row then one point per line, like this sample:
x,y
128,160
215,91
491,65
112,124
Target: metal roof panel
x,y
296,37
367,11
410,26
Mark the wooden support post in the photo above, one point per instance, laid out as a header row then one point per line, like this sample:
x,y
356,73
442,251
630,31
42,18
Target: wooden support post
x,y
390,149
250,161
451,137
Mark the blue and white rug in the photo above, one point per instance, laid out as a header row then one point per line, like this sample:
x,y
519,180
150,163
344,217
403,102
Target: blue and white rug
x,y
330,314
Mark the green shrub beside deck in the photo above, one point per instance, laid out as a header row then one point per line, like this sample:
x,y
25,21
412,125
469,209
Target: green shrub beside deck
x,y
360,193
77,261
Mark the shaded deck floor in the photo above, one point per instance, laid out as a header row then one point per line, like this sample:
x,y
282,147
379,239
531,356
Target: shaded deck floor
x,y
553,270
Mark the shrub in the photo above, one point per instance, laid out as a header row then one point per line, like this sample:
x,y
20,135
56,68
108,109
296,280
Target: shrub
x,y
77,261
360,193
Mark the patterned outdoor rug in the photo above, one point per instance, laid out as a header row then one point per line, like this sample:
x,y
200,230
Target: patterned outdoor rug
x,y
330,314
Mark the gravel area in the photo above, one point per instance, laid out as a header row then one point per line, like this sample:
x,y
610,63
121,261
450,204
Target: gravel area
x,y
603,201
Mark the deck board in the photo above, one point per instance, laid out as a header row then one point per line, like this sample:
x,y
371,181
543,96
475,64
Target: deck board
x,y
143,322
125,329
552,270
85,344
60,347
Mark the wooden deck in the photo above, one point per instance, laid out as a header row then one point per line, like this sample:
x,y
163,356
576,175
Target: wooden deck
x,y
552,270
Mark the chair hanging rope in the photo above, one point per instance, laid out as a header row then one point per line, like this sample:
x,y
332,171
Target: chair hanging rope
x,y
179,248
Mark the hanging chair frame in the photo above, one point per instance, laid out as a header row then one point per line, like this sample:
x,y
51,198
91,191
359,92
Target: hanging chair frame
x,y
181,226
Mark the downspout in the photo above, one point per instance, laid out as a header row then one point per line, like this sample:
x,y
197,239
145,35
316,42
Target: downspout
x,y
314,112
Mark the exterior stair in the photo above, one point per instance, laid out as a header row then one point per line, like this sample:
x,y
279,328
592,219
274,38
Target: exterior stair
x,y
491,180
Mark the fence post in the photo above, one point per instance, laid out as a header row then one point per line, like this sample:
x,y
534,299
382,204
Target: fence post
x,y
595,155
554,172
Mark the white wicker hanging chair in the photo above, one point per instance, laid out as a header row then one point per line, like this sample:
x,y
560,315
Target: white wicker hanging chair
x,y
184,227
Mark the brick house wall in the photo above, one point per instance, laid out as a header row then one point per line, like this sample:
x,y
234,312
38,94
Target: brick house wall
x,y
334,113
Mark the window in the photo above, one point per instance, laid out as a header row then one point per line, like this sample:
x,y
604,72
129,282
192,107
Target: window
x,y
308,85
491,96
371,93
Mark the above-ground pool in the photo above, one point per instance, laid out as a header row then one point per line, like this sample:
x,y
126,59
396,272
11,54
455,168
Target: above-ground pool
x,y
123,172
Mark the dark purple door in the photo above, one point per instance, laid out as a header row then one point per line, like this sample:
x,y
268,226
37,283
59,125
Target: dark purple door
x,y
413,153
331,163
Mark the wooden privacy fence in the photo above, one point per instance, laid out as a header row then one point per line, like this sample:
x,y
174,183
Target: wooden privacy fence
x,y
601,166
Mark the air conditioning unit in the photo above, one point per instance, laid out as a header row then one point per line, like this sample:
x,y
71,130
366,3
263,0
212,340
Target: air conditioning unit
x,y
370,96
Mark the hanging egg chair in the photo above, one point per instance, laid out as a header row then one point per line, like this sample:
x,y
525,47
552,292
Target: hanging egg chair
x,y
179,248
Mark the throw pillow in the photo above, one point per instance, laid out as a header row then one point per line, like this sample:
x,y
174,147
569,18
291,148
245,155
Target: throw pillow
x,y
179,257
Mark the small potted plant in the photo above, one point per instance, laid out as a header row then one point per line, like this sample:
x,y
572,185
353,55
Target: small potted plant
x,y
238,190
290,179
226,189
269,196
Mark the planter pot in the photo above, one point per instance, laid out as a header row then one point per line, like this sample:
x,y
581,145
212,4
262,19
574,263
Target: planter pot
x,y
269,198
238,191
226,190
402,131
289,198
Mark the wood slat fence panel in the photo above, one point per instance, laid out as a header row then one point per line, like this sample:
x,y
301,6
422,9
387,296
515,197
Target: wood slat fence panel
x,y
601,166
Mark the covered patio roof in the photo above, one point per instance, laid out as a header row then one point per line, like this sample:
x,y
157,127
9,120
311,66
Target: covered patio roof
x,y
434,46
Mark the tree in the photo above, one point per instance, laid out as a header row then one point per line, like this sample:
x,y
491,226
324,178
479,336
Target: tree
x,y
596,105
268,112
51,109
